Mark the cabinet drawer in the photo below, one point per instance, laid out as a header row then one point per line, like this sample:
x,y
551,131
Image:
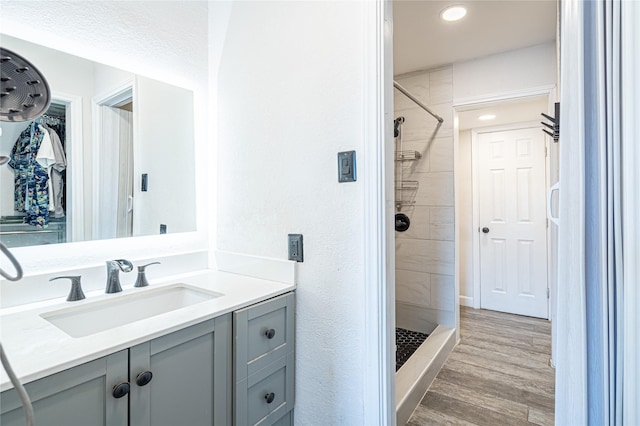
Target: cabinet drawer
x,y
263,333
266,396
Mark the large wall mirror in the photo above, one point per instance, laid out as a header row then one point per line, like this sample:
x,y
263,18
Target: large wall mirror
x,y
120,154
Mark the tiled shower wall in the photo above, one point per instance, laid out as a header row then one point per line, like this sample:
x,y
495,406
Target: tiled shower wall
x,y
425,252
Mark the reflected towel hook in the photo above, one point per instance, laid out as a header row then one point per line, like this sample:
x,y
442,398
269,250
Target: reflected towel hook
x,y
15,263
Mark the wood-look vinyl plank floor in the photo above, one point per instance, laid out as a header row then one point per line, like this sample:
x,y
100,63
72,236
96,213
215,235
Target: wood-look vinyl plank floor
x,y
498,374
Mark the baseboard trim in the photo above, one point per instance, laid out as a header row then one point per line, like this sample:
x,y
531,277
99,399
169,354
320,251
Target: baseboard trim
x,y
466,301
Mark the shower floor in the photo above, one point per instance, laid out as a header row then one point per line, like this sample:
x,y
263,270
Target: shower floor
x,y
407,342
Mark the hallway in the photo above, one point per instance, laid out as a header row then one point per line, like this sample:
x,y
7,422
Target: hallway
x,y
498,374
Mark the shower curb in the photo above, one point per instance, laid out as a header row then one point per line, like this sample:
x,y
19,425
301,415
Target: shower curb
x,y
415,376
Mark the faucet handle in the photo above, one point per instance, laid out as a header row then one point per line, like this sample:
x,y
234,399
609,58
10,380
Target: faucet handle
x,y
141,281
76,288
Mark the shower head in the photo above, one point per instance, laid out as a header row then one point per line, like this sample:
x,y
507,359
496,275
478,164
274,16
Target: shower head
x,y
24,92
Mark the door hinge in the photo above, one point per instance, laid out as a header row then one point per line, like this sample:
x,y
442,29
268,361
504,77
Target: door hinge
x,y
547,292
547,222
545,151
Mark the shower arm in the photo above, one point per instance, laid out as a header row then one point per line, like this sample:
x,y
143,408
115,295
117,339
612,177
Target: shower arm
x,y
414,99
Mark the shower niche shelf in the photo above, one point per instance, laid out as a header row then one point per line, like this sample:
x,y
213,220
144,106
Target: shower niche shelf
x,y
408,156
407,185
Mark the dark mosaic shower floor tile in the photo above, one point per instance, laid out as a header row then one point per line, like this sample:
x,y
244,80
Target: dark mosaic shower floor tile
x,y
407,342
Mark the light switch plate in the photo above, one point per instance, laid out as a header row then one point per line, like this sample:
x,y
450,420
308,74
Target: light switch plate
x,y
145,182
295,247
347,166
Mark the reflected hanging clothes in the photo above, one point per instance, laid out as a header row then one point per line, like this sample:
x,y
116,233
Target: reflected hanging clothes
x,y
56,182
31,194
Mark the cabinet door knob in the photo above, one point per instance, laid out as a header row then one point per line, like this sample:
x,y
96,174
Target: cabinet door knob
x,y
485,230
144,378
270,397
270,333
121,390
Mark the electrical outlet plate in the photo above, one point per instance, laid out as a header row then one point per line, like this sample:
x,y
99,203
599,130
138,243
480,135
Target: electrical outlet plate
x,y
347,166
295,247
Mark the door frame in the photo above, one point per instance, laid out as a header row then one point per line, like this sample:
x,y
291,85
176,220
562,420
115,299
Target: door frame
x,y
475,171
459,190
114,96
379,398
74,152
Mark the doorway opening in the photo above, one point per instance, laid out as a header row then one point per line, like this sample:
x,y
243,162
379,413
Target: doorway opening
x,y
453,67
503,172
113,197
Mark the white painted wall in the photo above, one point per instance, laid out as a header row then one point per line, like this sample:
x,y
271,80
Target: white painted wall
x,y
504,74
290,98
170,195
465,209
134,37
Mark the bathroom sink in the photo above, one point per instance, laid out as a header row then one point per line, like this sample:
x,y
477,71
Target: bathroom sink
x,y
90,318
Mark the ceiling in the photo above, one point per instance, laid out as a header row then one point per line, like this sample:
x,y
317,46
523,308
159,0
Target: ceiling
x,y
421,40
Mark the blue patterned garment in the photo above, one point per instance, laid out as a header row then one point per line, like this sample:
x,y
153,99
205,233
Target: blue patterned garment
x,y
31,180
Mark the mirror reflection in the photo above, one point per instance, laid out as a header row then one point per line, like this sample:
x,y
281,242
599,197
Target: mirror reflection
x,y
115,151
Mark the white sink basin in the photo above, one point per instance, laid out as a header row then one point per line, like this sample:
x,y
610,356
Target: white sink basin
x,y
90,318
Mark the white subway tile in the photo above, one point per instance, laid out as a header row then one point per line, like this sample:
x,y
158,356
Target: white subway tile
x,y
413,287
419,223
425,256
441,223
442,292
436,189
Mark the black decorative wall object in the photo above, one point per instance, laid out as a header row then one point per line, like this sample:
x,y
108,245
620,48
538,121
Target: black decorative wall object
x,y
555,127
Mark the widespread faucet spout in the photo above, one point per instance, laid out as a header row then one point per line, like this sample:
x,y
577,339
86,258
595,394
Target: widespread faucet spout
x,y
113,277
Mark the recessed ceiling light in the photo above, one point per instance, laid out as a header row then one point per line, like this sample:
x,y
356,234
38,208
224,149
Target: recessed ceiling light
x,y
453,13
487,117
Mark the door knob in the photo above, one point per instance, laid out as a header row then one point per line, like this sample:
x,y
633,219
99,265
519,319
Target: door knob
x,y
269,397
144,378
485,230
121,390
270,333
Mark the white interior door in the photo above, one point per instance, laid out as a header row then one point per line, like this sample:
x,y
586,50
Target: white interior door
x,y
512,218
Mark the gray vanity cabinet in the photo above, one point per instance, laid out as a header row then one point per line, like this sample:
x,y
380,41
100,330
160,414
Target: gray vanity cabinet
x,y
237,368
188,385
191,375
79,396
264,362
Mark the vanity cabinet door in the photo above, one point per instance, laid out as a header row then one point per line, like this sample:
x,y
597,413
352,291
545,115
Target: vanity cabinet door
x,y
183,378
79,396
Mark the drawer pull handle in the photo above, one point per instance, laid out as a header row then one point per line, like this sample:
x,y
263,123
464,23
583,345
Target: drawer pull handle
x,y
270,333
121,390
270,397
144,378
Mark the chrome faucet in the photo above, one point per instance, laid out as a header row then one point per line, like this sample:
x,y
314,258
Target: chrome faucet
x,y
113,276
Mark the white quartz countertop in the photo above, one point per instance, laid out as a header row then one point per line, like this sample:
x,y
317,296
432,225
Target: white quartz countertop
x,y
36,348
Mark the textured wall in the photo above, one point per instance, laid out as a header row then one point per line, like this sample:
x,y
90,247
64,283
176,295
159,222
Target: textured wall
x,y
290,98
425,253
